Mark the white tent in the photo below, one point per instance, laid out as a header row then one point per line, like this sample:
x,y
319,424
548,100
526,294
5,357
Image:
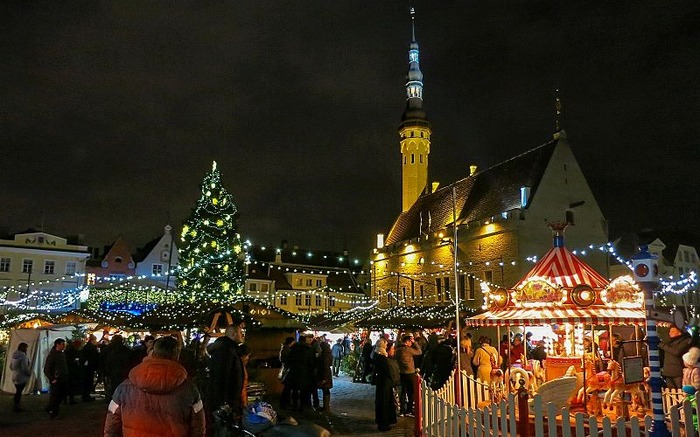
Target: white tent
x,y
40,341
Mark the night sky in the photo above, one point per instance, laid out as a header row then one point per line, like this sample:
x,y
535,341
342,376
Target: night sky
x,y
112,111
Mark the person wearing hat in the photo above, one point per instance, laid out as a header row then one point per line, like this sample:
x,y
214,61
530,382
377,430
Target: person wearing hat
x,y
677,344
691,372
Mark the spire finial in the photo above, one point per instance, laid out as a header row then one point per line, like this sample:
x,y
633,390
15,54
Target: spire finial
x,y
413,23
557,109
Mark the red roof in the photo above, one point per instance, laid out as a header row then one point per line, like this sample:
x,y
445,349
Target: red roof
x,y
562,267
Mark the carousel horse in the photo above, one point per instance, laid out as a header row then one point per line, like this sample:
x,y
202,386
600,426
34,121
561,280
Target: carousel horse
x,y
519,376
618,386
595,382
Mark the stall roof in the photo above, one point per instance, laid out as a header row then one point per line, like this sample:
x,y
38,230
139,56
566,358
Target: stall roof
x,y
562,267
554,315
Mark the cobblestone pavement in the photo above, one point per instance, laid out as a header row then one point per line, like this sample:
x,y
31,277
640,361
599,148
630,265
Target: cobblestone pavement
x,y
352,413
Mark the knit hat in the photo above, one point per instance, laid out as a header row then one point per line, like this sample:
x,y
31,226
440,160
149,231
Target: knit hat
x,y
689,389
691,357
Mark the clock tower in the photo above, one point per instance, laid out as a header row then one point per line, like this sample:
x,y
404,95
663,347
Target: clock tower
x,y
414,130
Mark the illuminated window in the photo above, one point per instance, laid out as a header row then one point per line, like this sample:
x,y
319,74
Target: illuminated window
x,y
27,265
283,300
307,300
70,267
5,264
49,267
91,279
331,301
319,282
318,301
297,300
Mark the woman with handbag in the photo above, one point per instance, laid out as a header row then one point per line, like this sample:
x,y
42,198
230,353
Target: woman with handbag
x,y
486,358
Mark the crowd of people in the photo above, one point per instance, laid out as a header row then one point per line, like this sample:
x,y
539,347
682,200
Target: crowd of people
x,y
308,366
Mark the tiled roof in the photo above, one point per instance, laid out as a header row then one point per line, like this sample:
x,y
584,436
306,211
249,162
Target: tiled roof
x,y
485,194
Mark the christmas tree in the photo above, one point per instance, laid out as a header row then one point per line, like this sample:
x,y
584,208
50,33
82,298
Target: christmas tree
x,y
212,256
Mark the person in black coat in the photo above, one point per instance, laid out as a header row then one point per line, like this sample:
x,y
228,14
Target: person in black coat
x,y
301,376
678,343
443,362
386,377
119,361
89,362
225,384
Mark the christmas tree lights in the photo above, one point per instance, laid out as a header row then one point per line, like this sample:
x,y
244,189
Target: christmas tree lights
x,y
212,255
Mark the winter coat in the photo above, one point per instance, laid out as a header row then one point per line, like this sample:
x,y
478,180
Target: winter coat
x,y
691,376
482,359
119,361
89,357
301,367
405,355
156,400
443,360
20,368
56,366
324,375
338,350
674,349
225,384
384,400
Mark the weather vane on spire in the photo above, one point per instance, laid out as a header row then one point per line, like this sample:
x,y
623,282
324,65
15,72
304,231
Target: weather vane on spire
x,y
557,108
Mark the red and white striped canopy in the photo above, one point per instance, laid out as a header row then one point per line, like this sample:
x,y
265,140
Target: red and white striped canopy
x,y
562,267
557,315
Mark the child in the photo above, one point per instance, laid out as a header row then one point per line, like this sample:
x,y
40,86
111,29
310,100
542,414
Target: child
x,y
691,372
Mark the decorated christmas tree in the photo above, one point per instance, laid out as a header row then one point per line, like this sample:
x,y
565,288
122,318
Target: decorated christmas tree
x,y
212,256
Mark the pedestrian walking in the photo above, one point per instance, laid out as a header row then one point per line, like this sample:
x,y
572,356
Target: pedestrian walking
x,y
157,398
20,374
486,358
338,351
56,371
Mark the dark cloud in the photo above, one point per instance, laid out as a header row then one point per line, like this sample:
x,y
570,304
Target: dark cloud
x,y
111,112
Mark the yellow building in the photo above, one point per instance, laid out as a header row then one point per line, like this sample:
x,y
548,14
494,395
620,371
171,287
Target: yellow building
x,y
500,215
305,282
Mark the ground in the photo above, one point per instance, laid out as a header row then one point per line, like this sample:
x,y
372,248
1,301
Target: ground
x,y
352,413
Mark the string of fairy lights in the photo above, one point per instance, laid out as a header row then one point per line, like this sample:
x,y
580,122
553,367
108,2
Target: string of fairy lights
x,y
33,292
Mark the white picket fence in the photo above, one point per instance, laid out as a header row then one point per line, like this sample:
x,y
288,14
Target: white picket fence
x,y
481,417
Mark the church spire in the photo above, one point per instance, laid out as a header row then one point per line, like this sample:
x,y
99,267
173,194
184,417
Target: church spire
x,y
415,130
558,130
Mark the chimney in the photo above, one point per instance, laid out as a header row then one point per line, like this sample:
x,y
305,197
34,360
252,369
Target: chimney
x,y
435,186
472,170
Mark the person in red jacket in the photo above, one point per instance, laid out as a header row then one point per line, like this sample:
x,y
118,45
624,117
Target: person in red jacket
x,y
157,398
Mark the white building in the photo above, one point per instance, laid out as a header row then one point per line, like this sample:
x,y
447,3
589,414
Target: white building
x,y
158,260
40,270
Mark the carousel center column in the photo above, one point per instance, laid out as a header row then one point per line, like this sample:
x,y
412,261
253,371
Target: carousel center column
x,y
646,273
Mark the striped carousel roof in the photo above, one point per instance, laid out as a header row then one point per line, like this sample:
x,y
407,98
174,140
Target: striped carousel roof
x,y
563,268
552,315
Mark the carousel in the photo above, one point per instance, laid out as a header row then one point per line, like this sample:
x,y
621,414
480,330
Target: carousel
x,y
581,324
